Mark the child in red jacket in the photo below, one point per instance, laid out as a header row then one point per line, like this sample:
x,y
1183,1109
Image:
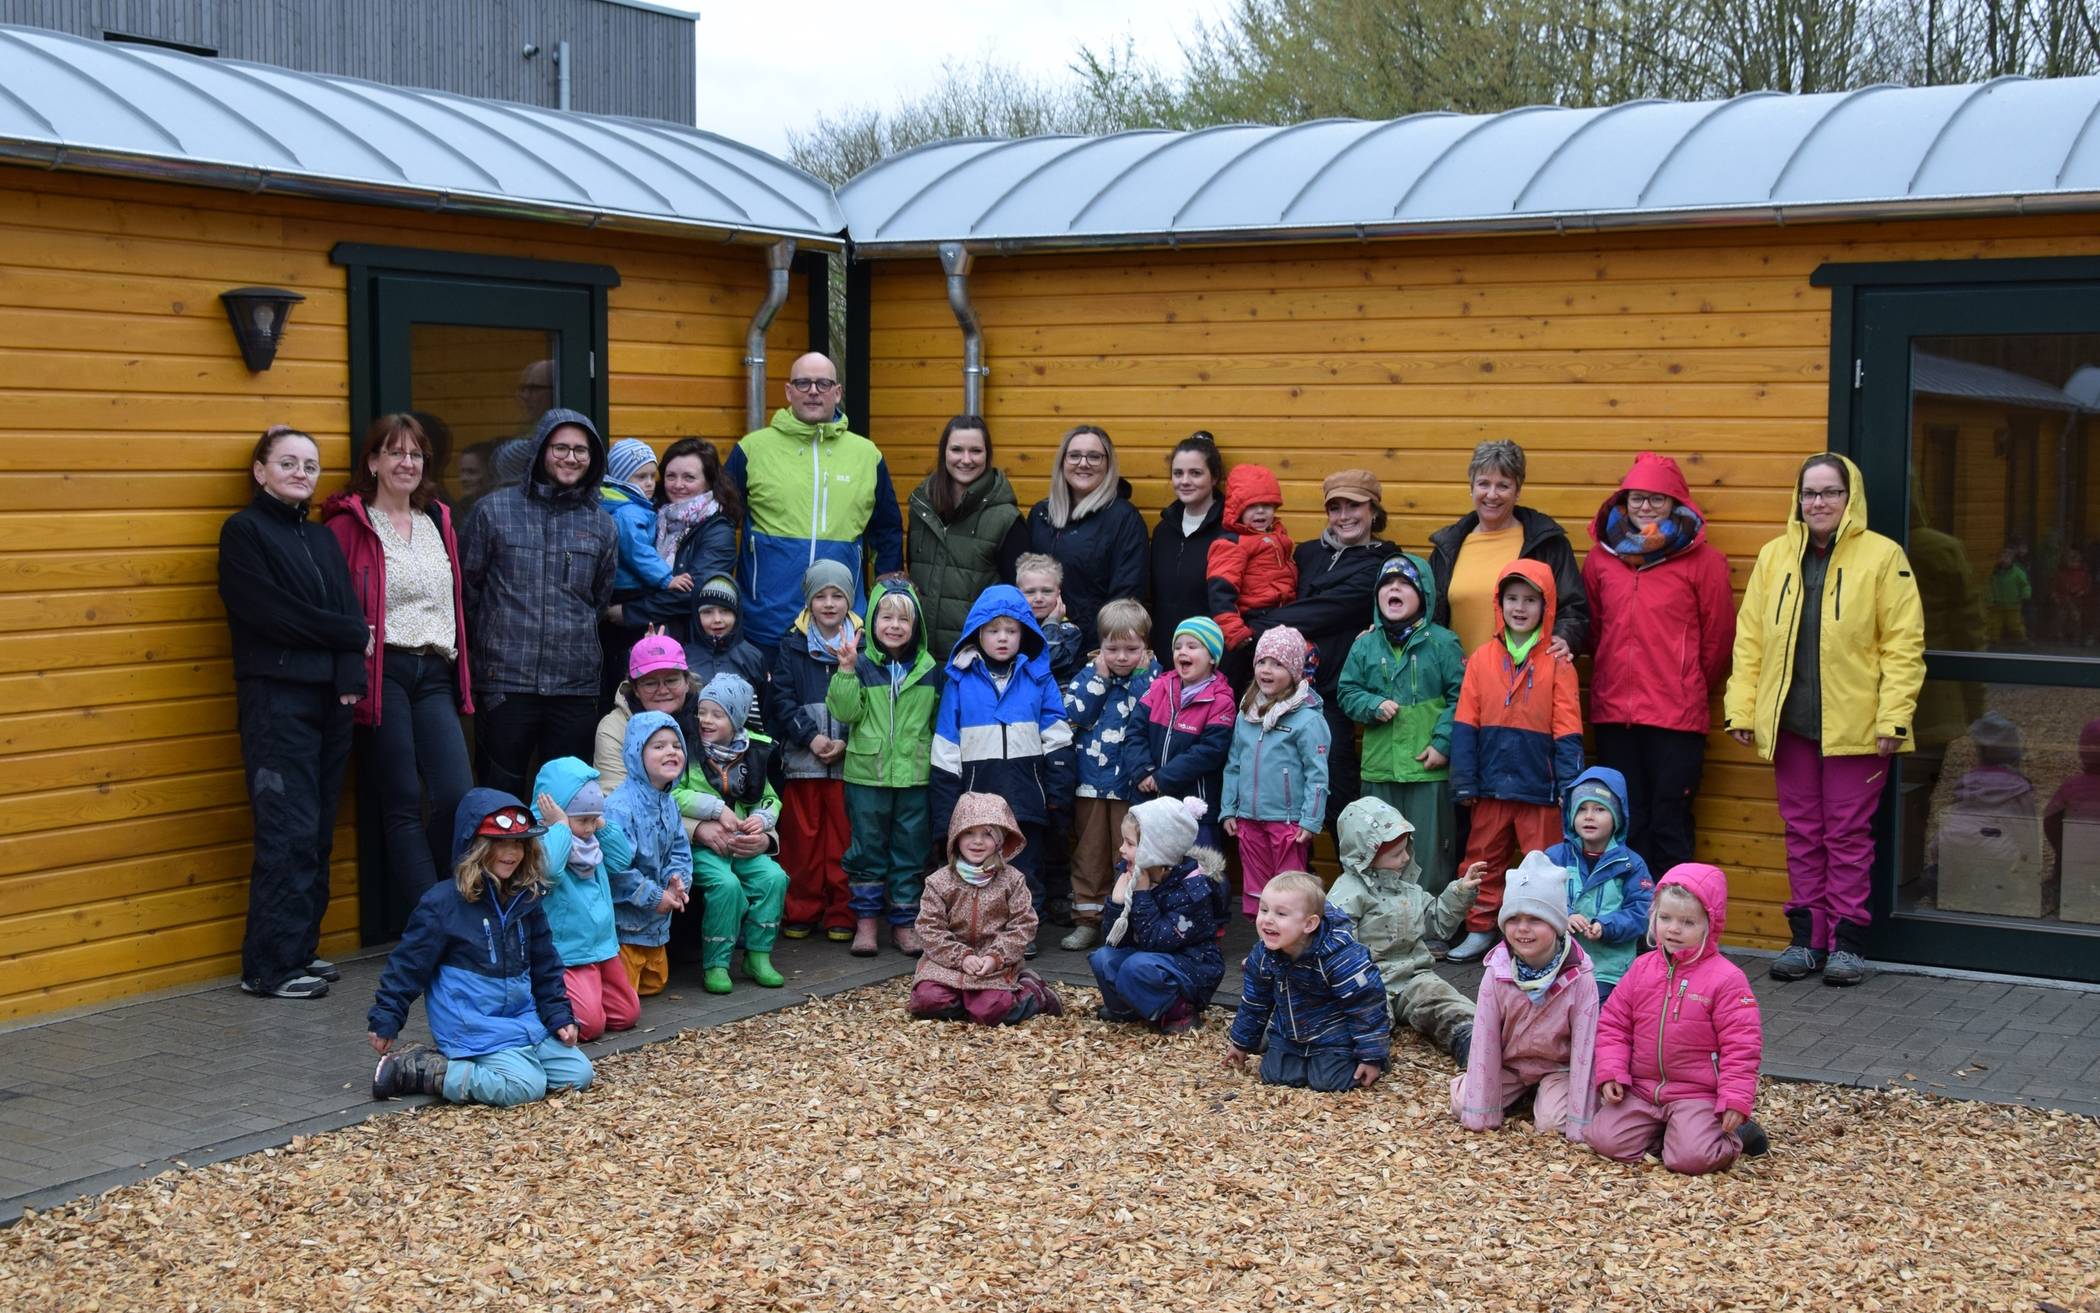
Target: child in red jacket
x,y
1680,1041
1250,567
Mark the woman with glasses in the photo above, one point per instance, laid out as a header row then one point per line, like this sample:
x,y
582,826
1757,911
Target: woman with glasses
x,y
1662,620
1468,557
404,568
1829,659
1089,525
299,648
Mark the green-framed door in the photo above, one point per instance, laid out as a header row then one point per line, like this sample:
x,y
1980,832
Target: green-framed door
x,y
1974,419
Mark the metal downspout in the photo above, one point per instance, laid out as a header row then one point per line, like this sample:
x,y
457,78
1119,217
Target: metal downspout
x,y
955,261
779,256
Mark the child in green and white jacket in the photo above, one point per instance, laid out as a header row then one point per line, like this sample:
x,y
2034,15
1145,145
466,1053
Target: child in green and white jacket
x,y
736,832
888,695
1401,680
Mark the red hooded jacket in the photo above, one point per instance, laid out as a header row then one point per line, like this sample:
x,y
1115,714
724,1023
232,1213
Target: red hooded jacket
x,y
1661,630
346,516
1248,571
1688,1029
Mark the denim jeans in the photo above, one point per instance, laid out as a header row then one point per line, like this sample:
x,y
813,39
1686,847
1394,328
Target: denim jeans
x,y
416,751
513,1076
295,741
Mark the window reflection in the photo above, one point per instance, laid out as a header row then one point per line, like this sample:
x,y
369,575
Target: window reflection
x,y
487,388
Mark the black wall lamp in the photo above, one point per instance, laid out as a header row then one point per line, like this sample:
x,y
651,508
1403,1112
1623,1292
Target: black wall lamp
x,y
258,315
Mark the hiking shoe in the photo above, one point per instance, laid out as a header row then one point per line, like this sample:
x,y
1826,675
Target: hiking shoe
x,y
296,987
759,970
1031,951
1461,1049
1438,948
1045,994
1756,1144
1844,968
864,944
1798,962
1472,948
1176,1019
797,930
1081,939
838,934
907,940
409,1071
325,969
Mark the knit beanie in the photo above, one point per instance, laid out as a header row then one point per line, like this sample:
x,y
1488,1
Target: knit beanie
x,y
719,591
654,653
1599,792
732,693
588,801
1284,644
826,573
1166,829
1398,566
1538,887
1205,631
628,457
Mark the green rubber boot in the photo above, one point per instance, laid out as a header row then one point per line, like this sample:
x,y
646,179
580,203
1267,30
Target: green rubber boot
x,y
715,980
759,967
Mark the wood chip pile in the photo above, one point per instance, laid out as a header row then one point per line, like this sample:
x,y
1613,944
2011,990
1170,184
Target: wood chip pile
x,y
839,1156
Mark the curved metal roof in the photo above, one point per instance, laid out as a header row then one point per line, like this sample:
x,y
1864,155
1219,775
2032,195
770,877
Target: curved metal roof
x,y
2012,143
70,103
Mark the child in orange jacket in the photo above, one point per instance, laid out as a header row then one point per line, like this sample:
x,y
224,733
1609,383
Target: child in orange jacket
x,y
1516,742
1250,567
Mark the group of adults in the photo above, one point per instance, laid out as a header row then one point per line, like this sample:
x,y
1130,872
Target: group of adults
x,y
385,624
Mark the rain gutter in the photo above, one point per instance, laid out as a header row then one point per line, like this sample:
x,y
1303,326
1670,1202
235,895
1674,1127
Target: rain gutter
x,y
780,256
955,262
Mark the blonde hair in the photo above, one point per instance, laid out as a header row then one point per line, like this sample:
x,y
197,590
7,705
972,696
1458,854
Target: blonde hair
x,y
1040,563
1675,892
897,602
1062,511
1124,616
1303,883
473,869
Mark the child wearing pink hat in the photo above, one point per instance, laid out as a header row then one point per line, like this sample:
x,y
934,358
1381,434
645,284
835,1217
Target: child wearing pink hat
x,y
1275,795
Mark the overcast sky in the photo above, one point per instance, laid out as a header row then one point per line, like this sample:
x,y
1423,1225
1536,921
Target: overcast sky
x,y
764,70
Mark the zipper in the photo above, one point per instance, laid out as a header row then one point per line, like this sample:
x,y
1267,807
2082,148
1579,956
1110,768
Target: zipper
x,y
1780,610
1662,1027
816,497
1837,598
488,937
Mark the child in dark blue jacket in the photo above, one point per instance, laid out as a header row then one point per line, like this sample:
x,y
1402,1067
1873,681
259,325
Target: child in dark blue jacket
x,y
1332,1030
1112,751
480,952
1161,963
1001,726
1610,888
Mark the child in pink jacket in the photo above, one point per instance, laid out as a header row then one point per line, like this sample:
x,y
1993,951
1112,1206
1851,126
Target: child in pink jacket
x,y
1535,1023
1679,1043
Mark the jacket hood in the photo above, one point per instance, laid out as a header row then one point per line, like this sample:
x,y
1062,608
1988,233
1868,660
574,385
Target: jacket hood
x,y
974,809
1425,583
1540,576
1709,884
559,779
838,425
467,818
1993,786
1651,472
638,731
994,602
1610,779
884,586
1855,517
538,486
1250,485
347,503
1364,827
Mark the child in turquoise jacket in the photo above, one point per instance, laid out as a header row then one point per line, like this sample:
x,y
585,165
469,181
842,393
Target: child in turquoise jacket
x,y
579,844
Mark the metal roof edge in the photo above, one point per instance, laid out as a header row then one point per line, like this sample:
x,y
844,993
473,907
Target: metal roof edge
x,y
690,16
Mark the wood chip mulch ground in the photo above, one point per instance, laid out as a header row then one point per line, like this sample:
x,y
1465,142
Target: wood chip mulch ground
x,y
839,1156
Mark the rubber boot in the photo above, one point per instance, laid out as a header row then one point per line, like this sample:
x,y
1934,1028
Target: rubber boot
x,y
409,1071
715,980
1756,1144
1462,1044
864,942
758,969
1801,958
907,940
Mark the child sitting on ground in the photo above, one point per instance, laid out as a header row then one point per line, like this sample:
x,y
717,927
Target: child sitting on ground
x,y
1609,887
577,846
1161,963
479,949
1249,568
975,918
1536,1024
726,792
655,880
1041,579
1380,891
1687,1087
1275,795
1103,703
1516,743
815,834
1189,716
1401,682
1311,991
888,695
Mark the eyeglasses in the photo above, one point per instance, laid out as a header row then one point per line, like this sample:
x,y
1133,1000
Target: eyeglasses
x,y
1652,501
812,386
293,465
1809,496
412,455
660,683
562,451
1086,458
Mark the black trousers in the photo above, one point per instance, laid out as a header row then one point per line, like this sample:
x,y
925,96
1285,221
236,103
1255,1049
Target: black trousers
x,y
295,742
1662,768
413,767
1345,781
517,733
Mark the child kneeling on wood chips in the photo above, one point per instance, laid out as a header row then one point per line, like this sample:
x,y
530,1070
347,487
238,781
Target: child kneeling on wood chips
x,y
1161,963
481,953
975,920
1331,1030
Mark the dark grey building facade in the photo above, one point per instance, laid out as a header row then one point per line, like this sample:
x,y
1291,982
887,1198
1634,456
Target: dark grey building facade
x,y
623,56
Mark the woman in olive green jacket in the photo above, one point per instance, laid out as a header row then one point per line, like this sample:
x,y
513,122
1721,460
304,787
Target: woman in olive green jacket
x,y
964,529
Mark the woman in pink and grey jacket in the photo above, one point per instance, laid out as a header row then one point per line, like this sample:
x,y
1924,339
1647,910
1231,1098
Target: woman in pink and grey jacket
x,y
1680,1040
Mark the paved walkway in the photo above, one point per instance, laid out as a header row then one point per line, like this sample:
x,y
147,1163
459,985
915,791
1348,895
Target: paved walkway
x,y
100,1098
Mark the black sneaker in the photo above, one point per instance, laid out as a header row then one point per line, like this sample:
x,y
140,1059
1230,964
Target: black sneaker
x,y
1030,951
1756,1144
1462,1044
296,987
1058,911
409,1071
324,969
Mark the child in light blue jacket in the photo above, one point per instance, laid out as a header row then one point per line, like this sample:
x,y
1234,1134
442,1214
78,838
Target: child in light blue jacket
x,y
1275,795
655,880
579,845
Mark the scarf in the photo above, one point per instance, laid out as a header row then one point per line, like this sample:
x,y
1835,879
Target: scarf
x,y
975,876
724,753
1520,649
820,646
1535,981
585,856
1642,545
679,518
1267,713
1397,632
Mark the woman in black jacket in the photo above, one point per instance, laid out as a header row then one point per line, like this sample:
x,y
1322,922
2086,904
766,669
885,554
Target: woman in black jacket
x,y
1089,525
1501,531
299,648
1181,541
